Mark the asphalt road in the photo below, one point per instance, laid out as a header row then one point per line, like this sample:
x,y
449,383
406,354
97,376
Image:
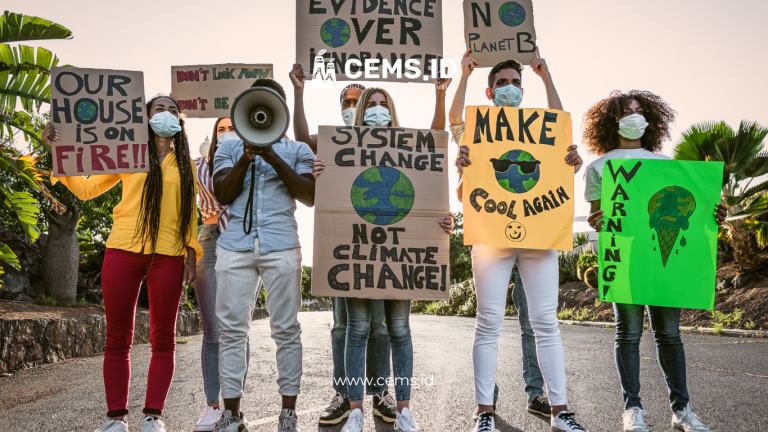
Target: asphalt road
x,y
727,380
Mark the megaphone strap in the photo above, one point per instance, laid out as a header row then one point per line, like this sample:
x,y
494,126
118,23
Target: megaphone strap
x,y
249,205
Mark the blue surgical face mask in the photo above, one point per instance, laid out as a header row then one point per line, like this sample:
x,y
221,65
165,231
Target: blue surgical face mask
x,y
377,116
348,115
165,124
226,136
508,96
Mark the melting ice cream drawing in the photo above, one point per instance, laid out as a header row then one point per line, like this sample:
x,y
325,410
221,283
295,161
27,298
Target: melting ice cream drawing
x,y
670,209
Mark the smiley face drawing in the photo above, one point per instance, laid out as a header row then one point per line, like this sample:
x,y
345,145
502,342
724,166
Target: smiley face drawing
x,y
514,231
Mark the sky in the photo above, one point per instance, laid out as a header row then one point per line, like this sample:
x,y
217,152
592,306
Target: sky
x,y
706,58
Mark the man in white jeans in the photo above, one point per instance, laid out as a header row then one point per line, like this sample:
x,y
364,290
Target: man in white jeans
x,y
261,240
491,266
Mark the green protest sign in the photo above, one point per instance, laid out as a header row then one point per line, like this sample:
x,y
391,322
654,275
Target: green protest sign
x,y
658,245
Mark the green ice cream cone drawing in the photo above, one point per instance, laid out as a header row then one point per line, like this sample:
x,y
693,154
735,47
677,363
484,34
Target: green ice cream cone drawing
x,y
670,209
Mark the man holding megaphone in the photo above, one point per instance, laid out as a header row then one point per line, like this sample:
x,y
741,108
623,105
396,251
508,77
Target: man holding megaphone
x,y
260,177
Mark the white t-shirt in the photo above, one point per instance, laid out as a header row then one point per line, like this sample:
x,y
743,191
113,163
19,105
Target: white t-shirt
x,y
594,172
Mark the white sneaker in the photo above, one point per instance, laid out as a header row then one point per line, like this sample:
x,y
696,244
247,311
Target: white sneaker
x,y
229,423
634,420
485,423
151,424
564,422
113,426
405,422
208,420
288,421
355,421
687,421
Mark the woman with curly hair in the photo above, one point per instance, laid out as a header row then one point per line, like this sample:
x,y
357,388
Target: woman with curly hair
x,y
153,236
634,125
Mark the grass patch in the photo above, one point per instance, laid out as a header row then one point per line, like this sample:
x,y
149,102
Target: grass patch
x,y
46,301
85,303
510,310
598,303
727,320
750,325
583,314
182,341
719,329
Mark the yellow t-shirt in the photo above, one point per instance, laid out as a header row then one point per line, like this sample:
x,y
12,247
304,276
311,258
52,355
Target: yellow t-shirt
x,y
127,211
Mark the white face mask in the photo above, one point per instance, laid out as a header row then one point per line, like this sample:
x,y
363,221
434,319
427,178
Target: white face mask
x,y
348,115
226,136
377,116
508,96
633,126
165,124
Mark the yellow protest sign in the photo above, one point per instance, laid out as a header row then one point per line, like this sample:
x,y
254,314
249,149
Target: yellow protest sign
x,y
518,191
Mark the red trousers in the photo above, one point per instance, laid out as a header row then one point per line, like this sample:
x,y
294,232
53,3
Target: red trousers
x,y
121,278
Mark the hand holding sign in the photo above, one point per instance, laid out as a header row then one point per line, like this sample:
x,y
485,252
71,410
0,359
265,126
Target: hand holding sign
x,y
468,64
297,76
539,65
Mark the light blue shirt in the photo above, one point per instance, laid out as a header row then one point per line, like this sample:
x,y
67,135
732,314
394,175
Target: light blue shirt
x,y
273,206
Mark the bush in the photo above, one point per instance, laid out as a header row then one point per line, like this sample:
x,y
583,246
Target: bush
x,y
568,262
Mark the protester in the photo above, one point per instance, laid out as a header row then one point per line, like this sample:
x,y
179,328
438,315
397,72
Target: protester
x,y
261,243
378,350
492,266
377,355
215,220
154,227
379,110
634,125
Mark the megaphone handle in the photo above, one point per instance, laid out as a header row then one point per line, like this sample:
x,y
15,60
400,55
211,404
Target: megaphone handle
x,y
249,205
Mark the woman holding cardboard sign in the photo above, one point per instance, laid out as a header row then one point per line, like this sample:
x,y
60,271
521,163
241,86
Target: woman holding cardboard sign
x,y
376,108
154,228
634,125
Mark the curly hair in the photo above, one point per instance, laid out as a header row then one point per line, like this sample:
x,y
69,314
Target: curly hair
x,y
601,122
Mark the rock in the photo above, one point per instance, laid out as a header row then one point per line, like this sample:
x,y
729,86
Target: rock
x,y
742,280
14,281
723,283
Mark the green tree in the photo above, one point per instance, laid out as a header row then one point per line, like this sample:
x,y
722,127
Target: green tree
x,y
24,74
746,195
460,255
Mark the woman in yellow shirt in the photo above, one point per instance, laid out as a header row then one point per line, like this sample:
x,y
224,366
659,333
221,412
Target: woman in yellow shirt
x,y
155,227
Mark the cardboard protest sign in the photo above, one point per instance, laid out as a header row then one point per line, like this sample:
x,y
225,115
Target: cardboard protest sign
x,y
498,30
518,190
207,91
101,117
401,40
658,245
377,207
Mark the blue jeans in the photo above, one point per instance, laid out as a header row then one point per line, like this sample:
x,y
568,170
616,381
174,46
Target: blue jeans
x,y
205,291
376,356
396,312
534,381
665,323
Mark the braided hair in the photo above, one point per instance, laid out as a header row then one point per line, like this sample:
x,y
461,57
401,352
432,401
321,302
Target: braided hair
x,y
148,224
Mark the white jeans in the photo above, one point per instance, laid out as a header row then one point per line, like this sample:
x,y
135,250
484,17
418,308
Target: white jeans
x,y
237,276
492,267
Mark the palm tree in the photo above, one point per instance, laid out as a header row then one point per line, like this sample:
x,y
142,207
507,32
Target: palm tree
x,y
745,160
24,76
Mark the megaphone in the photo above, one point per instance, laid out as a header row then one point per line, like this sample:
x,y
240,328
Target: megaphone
x,y
260,116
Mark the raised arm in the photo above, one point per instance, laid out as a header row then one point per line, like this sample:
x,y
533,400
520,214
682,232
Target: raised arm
x,y
456,113
539,66
300,126
438,120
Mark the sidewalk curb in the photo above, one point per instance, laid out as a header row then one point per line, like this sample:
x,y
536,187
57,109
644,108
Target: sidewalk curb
x,y
754,334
